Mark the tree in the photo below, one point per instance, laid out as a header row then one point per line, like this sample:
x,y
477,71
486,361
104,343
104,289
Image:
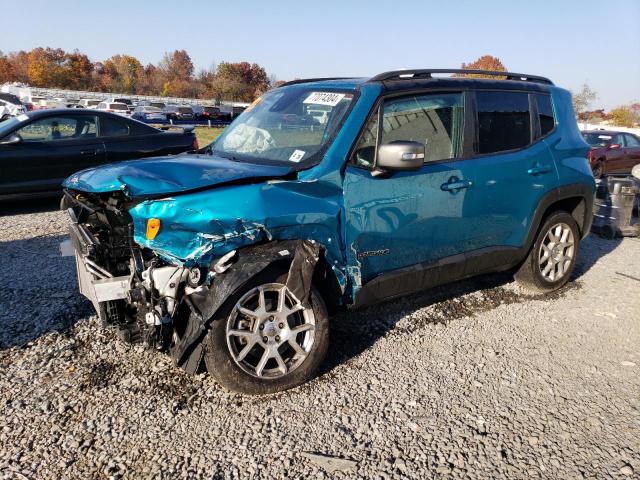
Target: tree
x,y
7,74
583,99
485,62
176,66
622,116
46,67
239,81
122,73
79,71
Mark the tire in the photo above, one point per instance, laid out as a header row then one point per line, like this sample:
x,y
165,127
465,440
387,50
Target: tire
x,y
549,268
223,350
5,117
598,170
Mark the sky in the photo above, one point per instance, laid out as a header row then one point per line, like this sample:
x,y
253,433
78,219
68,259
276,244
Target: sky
x,y
571,42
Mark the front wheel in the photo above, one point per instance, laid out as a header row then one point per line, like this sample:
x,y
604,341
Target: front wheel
x,y
553,256
264,340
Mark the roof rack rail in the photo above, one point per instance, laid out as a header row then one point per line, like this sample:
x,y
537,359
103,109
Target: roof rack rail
x,y
308,80
427,73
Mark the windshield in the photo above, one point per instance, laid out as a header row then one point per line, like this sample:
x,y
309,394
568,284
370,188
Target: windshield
x,y
596,139
281,127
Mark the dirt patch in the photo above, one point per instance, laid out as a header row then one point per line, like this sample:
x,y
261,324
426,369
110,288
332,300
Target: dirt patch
x,y
100,375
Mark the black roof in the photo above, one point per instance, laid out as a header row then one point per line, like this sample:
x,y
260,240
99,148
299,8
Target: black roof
x,y
464,83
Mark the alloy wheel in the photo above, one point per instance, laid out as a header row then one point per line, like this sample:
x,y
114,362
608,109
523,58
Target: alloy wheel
x,y
556,253
269,332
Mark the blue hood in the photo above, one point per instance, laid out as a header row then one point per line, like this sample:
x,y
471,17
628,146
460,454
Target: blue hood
x,y
160,176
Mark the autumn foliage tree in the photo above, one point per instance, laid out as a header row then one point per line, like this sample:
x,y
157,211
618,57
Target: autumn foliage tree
x,y
485,62
173,76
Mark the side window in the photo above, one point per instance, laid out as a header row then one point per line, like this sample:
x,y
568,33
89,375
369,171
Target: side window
x,y
618,140
113,127
503,121
58,128
631,140
366,147
434,120
545,112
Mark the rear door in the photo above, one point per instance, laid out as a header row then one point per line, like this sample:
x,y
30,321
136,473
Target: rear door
x,y
632,151
126,140
513,166
51,149
616,156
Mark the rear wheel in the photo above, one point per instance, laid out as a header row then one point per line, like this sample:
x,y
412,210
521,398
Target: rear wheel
x,y
264,340
553,256
598,170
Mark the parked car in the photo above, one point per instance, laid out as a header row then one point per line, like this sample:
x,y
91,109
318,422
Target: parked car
x,y
148,113
113,107
236,256
89,102
206,112
179,112
10,106
39,149
612,152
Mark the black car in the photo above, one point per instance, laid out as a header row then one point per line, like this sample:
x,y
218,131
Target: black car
x,y
39,149
179,112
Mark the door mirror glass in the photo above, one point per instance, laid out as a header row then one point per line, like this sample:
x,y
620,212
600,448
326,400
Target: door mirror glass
x,y
401,155
614,146
12,139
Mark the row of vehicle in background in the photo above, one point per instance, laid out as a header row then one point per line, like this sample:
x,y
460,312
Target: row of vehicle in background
x,y
144,110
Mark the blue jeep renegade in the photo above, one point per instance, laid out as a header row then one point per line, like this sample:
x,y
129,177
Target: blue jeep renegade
x,y
329,193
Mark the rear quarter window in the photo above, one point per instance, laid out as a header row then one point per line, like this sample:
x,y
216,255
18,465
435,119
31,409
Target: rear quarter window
x,y
545,113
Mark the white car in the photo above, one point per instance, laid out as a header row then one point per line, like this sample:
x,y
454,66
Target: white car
x,y
89,103
9,109
114,107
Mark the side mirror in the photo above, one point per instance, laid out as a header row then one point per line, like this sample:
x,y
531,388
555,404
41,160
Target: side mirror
x,y
400,155
614,146
12,139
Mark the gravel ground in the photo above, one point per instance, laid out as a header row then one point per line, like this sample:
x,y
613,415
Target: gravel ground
x,y
476,380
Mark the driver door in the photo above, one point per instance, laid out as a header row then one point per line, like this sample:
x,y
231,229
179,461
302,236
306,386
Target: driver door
x,y
50,149
399,219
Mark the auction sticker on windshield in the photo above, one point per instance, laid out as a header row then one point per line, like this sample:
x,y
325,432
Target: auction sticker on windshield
x,y
297,155
324,98
22,118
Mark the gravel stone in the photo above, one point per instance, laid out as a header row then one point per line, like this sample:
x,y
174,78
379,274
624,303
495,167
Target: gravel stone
x,y
480,379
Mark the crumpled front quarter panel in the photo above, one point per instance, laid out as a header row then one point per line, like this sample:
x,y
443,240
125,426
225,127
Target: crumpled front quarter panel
x,y
198,227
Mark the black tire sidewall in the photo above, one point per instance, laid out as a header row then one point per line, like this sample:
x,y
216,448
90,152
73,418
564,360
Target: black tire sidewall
x,y
555,218
223,368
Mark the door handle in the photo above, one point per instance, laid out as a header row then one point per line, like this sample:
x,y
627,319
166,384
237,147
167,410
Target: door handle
x,y
455,185
539,170
87,152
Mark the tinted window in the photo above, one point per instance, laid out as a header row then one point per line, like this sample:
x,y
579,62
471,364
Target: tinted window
x,y
112,127
545,113
58,128
596,139
632,141
503,121
618,140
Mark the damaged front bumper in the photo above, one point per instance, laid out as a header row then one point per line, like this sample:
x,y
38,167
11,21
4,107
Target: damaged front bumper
x,y
94,282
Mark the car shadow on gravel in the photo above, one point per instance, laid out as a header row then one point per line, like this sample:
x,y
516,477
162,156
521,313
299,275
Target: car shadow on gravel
x,y
38,290
30,205
592,249
353,332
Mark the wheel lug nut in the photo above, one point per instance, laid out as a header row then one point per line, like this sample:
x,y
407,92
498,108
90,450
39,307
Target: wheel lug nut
x,y
281,325
265,339
262,326
277,338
